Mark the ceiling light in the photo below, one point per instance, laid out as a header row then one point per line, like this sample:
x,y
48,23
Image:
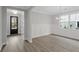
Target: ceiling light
x,y
14,11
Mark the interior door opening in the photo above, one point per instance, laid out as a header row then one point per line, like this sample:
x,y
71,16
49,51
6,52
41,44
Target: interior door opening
x,y
13,25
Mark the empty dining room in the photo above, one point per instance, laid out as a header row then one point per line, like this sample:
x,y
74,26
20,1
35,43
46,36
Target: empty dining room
x,y
39,28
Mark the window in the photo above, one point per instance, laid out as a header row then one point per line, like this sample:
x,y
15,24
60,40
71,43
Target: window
x,y
73,21
64,21
77,20
14,23
70,21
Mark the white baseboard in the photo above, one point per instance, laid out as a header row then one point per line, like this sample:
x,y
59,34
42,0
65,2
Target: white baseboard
x,y
41,35
30,41
2,45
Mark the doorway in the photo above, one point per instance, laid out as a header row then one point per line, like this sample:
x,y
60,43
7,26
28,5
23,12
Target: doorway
x,y
13,24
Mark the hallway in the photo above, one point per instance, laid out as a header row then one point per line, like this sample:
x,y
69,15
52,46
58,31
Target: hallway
x,y
49,43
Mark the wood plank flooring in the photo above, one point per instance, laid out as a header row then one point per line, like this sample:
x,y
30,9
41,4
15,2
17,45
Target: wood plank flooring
x,y
49,43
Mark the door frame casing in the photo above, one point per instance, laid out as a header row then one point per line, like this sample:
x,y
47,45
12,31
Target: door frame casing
x,y
10,23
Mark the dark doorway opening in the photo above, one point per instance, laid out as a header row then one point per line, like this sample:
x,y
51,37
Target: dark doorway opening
x,y
78,24
13,24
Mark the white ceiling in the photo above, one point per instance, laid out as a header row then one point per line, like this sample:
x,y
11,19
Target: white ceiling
x,y
50,10
53,10
11,11
22,7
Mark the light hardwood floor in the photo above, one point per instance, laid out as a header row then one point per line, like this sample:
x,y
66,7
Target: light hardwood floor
x,y
49,43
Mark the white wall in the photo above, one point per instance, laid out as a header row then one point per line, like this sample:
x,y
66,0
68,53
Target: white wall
x,y
27,26
55,28
22,26
0,27
8,22
4,17
43,25
40,24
